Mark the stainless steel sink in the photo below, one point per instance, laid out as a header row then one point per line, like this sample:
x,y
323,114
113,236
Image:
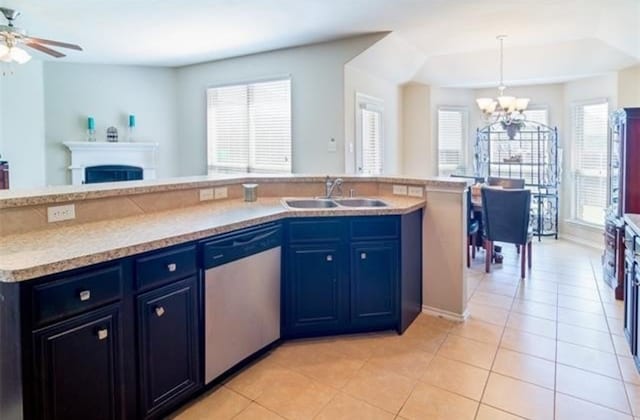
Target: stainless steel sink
x,y
361,202
310,203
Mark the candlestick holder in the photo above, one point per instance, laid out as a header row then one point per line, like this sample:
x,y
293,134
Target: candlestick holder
x,y
91,134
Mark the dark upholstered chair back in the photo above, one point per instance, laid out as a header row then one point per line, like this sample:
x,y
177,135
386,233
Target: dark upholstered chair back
x,y
506,183
506,215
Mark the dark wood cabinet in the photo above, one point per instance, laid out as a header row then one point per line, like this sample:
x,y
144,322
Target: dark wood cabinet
x,y
316,292
374,284
78,367
4,175
623,192
167,320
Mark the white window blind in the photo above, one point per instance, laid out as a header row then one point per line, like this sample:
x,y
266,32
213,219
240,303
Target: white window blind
x,y
539,115
371,142
249,127
452,133
590,126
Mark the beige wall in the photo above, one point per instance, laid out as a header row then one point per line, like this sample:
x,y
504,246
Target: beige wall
x,y
416,129
629,87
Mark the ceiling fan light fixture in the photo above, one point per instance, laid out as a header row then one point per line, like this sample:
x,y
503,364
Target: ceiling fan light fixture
x,y
19,55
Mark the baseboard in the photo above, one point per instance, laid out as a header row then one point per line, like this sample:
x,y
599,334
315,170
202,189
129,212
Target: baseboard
x,y
441,313
582,242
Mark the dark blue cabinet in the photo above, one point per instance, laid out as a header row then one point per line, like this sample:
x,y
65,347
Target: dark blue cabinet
x,y
315,288
374,284
78,367
348,280
168,345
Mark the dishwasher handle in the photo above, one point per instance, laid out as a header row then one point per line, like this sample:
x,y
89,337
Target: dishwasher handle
x,y
239,245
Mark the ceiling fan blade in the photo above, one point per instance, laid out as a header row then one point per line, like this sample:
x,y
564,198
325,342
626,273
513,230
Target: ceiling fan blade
x,y
44,49
53,43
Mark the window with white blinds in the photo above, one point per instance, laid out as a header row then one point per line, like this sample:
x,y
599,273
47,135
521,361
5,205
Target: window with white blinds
x,y
369,134
452,140
590,127
539,115
371,142
249,127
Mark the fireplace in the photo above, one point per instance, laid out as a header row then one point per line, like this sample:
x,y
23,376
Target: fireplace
x,y
96,161
111,173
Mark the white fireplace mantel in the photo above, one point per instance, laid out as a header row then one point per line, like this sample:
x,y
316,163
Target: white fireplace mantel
x,y
85,154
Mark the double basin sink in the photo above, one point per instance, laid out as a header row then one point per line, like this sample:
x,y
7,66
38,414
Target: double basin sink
x,y
327,203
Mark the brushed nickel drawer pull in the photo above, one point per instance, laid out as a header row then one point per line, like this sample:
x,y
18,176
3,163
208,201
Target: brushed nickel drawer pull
x,y
85,295
103,334
329,258
363,255
159,311
172,267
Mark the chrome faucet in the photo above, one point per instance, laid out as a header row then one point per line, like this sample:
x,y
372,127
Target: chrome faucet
x,y
330,186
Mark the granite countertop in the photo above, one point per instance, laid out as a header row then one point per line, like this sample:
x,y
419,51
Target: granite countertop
x,y
39,253
633,219
66,193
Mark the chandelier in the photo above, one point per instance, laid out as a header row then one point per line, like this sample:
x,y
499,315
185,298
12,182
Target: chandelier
x,y
507,110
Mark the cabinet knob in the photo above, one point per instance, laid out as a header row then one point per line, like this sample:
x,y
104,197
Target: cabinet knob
x,y
363,255
103,333
85,295
329,257
172,267
159,311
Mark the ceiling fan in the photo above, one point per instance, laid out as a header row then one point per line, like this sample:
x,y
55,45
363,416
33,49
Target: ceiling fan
x,y
12,38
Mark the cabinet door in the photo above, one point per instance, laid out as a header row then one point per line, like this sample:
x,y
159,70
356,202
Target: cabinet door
x,y
630,305
374,284
168,344
315,289
78,367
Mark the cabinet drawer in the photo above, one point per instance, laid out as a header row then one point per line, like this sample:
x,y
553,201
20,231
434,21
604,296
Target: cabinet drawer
x,y
374,227
316,230
75,294
161,267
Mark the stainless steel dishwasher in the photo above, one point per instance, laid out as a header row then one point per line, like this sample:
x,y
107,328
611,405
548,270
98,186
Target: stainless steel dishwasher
x,y
242,296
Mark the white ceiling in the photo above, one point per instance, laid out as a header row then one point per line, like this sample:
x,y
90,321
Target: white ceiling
x,y
549,40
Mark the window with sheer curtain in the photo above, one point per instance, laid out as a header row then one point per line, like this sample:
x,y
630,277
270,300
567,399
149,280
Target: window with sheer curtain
x,y
590,142
249,127
452,140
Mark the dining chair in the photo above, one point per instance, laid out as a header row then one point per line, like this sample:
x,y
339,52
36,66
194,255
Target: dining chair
x,y
473,226
506,183
506,219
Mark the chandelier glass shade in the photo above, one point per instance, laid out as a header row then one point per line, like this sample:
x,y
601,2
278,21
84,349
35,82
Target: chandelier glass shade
x,y
504,109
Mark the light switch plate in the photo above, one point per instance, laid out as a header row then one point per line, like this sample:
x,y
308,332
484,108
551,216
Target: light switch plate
x,y
332,147
416,191
206,194
60,213
220,193
400,190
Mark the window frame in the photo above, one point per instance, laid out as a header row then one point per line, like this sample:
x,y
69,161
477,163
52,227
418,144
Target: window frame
x,y
466,144
374,104
574,161
245,82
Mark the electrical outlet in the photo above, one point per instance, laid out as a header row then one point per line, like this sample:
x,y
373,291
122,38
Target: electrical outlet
x,y
400,190
415,191
220,193
60,213
206,194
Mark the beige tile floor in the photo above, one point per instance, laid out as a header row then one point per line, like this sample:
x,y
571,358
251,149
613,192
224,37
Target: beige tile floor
x,y
548,347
